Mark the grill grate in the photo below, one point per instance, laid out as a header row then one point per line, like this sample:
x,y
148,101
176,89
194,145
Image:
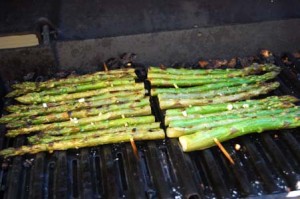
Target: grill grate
x,y
266,164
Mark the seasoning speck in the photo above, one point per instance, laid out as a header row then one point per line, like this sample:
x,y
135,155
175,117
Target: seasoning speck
x,y
237,147
45,105
74,120
245,105
229,107
81,100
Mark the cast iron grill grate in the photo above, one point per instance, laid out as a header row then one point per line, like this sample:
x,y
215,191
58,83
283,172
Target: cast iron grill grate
x,y
266,164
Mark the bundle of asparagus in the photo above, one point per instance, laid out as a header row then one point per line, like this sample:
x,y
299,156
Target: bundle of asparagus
x,y
205,105
200,87
89,110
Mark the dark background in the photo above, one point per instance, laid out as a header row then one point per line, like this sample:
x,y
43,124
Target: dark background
x,y
77,19
88,33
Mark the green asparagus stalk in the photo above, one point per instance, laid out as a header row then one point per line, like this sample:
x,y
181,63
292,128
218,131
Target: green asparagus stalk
x,y
194,89
121,102
35,98
111,94
114,74
205,139
84,113
74,122
213,108
72,88
176,122
251,70
85,87
210,122
102,125
194,82
210,94
125,136
71,82
44,138
175,132
177,103
180,71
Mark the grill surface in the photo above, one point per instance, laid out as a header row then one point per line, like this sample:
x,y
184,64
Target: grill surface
x,y
266,164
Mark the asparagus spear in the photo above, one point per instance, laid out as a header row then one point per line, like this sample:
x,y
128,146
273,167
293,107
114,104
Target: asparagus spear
x,y
44,138
194,89
105,104
84,113
35,98
204,139
85,87
32,86
212,93
177,103
108,95
180,71
37,87
102,125
178,122
21,108
212,108
74,122
251,70
194,82
175,132
210,122
125,136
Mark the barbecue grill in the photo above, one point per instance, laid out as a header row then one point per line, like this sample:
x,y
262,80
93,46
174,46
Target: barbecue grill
x,y
81,36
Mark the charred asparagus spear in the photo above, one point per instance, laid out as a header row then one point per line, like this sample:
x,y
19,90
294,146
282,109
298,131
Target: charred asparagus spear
x,y
36,98
103,125
109,95
124,136
113,74
205,139
41,86
113,103
84,113
44,138
74,122
177,103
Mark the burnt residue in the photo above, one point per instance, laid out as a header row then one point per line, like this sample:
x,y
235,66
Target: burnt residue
x,y
26,63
